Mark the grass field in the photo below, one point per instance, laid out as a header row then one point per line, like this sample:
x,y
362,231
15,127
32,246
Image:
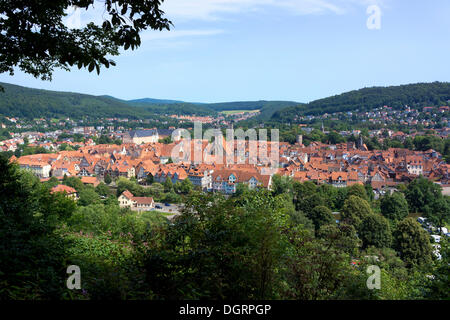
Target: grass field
x,y
228,112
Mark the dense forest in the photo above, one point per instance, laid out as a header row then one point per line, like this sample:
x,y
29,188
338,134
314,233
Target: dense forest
x,y
282,243
23,102
367,99
29,103
266,108
175,108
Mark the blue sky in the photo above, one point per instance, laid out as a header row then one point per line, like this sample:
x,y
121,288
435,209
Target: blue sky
x,y
298,50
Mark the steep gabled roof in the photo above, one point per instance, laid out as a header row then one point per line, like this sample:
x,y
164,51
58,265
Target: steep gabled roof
x,y
127,194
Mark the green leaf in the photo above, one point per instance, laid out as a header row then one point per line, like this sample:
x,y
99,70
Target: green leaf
x,y
91,66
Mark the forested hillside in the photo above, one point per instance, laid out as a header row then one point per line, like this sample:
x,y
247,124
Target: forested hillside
x,y
182,108
23,102
30,103
266,108
19,101
415,95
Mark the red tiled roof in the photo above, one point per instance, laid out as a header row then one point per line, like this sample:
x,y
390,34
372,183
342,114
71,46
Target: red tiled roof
x,y
127,194
64,189
143,200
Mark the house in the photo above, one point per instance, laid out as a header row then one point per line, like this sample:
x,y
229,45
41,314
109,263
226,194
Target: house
x,y
444,109
62,168
39,168
143,203
68,191
141,136
414,165
201,177
128,200
339,179
90,181
121,170
145,168
175,174
226,180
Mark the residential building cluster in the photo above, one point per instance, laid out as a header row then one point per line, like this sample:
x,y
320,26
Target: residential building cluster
x,y
338,165
346,164
429,117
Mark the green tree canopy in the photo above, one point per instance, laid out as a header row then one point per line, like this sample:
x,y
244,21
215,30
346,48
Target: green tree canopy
x,y
412,242
36,40
149,179
375,231
88,196
126,184
31,253
108,179
103,190
168,185
394,207
308,203
321,216
73,182
355,209
357,190
281,184
186,186
439,213
421,193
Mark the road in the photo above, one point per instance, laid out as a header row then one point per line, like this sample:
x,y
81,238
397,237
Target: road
x,y
173,209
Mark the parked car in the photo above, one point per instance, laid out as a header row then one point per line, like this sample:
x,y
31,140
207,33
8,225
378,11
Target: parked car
x,y
436,251
167,204
436,238
421,220
158,206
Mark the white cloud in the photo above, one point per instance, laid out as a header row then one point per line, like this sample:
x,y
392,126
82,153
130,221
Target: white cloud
x,y
215,9
158,35
180,11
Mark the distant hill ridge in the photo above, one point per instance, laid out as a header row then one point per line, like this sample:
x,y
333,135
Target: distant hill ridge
x,y
18,101
367,99
154,101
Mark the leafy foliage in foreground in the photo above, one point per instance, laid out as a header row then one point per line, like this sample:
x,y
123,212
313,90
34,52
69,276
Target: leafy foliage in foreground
x,y
35,38
254,245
